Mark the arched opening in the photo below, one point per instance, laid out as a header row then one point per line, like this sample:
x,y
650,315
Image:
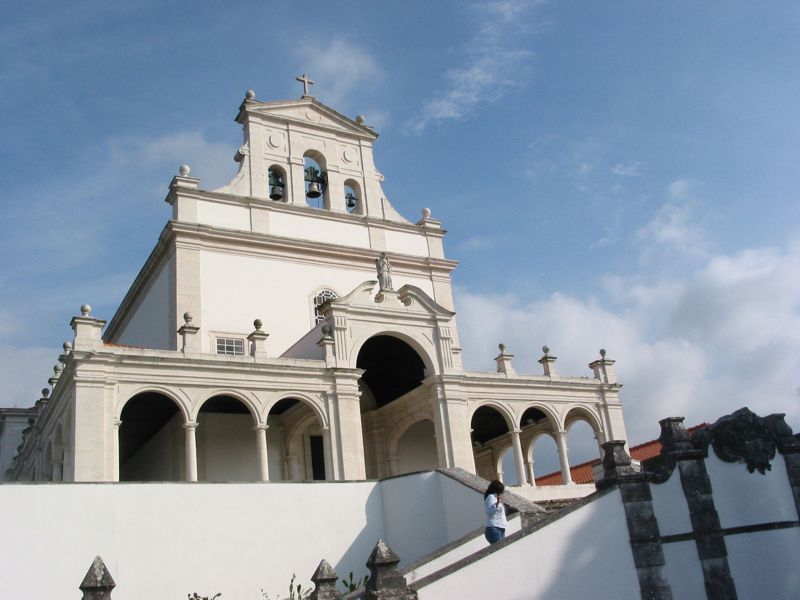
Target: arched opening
x,y
58,453
582,448
544,457
277,183
490,435
352,197
507,471
390,390
47,467
416,448
151,439
225,441
295,442
316,180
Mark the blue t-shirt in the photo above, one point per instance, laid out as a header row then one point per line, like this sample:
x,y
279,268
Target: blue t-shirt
x,y
495,515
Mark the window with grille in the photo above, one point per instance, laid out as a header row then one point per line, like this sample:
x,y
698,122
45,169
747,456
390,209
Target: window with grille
x,y
320,299
233,346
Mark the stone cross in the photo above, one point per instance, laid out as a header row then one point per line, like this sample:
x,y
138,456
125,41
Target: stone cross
x,y
306,82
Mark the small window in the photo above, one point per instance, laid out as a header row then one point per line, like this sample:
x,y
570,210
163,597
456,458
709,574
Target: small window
x,y
232,346
320,299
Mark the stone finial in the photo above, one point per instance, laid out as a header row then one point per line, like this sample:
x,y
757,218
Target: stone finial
x,y
249,95
674,436
503,361
57,370
548,363
67,346
603,368
190,341
361,119
98,583
385,581
327,330
616,463
325,579
45,393
187,318
185,170
426,213
258,341
86,310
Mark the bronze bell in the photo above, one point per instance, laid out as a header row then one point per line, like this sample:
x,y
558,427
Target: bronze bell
x,y
276,192
313,190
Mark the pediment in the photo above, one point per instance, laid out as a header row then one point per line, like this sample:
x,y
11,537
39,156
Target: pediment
x,y
307,111
408,298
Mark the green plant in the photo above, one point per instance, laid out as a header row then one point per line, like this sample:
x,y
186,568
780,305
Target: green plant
x,y
351,585
296,592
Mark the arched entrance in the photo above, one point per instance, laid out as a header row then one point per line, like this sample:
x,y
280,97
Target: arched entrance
x,y
489,440
226,443
151,439
296,443
391,395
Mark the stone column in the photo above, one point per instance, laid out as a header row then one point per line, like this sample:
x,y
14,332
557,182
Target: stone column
x,y
519,460
563,458
115,455
261,444
529,468
191,451
57,466
327,454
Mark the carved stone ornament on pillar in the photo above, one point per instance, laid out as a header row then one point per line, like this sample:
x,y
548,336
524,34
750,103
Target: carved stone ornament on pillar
x,y
87,330
548,363
329,344
604,368
258,341
188,333
503,361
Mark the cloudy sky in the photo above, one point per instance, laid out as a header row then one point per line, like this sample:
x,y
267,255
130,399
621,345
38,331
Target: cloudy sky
x,y
620,175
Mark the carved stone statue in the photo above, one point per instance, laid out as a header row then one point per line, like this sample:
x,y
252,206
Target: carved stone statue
x,y
384,272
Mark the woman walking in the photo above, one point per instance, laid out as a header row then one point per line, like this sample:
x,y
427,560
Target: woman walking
x,y
495,512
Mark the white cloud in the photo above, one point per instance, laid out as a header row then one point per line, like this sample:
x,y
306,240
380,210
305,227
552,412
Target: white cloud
x,y
627,169
674,228
679,188
724,336
495,61
476,243
341,69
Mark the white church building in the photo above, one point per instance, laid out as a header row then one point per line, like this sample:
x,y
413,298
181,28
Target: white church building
x,y
293,326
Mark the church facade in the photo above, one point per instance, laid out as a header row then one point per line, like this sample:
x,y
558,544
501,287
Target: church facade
x,y
292,325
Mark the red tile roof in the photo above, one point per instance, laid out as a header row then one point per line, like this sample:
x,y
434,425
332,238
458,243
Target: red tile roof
x,y
582,473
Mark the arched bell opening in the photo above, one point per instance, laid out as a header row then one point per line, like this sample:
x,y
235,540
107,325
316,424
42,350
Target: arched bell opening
x,y
277,183
416,449
390,390
490,437
316,180
352,197
295,442
225,441
151,439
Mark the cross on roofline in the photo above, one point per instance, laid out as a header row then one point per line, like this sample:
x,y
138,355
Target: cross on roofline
x,y
306,82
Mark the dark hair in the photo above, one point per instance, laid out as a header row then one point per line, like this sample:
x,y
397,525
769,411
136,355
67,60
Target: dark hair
x,y
495,487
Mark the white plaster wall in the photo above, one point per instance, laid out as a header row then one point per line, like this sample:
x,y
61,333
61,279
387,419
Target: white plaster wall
x,y
764,564
226,448
586,554
149,326
316,229
670,507
238,289
683,570
223,215
743,498
406,243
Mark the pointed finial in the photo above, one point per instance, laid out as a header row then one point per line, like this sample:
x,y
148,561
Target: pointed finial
x,y
86,310
97,580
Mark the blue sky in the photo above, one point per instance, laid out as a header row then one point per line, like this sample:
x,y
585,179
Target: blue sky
x,y
620,175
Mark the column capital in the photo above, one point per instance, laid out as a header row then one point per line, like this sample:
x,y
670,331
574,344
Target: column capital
x,y
261,427
190,426
516,431
116,423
